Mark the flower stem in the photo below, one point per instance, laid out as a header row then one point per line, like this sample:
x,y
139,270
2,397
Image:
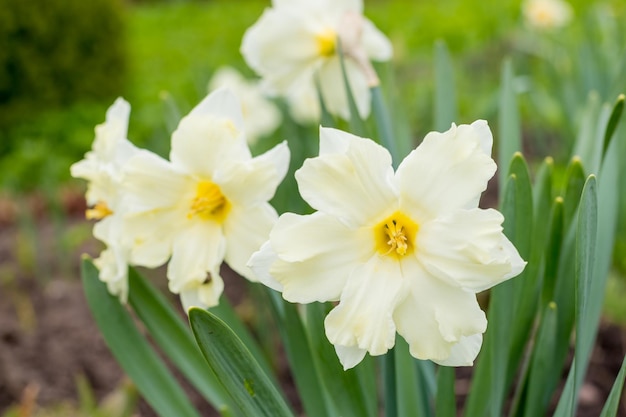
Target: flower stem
x,y
389,378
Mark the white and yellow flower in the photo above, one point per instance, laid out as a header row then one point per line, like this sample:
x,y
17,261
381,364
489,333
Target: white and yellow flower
x,y
261,117
102,168
295,42
402,251
207,204
547,14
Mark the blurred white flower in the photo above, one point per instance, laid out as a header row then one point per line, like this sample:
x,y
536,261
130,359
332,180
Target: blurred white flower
x,y
294,43
102,168
207,204
402,251
547,14
260,115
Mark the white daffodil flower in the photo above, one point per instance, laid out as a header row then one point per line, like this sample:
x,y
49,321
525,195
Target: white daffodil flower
x,y
261,117
547,14
207,204
294,43
402,251
102,168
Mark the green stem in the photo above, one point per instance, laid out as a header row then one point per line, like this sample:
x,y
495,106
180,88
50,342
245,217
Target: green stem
x,y
389,371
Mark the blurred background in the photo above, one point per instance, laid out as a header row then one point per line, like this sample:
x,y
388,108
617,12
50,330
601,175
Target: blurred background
x,y
63,62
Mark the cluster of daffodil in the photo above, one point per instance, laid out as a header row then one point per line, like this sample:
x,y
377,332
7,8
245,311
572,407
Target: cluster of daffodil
x,y
391,248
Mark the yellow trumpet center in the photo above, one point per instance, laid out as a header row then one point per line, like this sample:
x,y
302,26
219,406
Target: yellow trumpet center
x,y
326,42
395,236
98,212
209,203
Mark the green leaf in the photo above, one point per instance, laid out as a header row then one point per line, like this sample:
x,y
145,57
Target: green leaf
x,y
586,234
553,251
612,403
174,337
509,130
299,355
446,399
614,120
357,398
235,367
537,397
413,395
574,182
383,124
445,93
131,350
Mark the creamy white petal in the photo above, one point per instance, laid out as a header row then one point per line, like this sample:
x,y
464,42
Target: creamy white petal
x,y
349,356
325,253
150,236
260,262
435,316
363,317
468,249
362,187
210,135
447,171
376,44
334,92
254,181
113,130
113,266
151,182
464,352
203,295
245,230
197,253
281,47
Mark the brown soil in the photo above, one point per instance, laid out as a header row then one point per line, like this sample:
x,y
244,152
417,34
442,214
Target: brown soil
x,y
47,335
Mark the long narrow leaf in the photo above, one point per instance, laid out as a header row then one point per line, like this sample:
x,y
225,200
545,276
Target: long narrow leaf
x,y
612,403
509,131
174,337
235,367
445,93
157,385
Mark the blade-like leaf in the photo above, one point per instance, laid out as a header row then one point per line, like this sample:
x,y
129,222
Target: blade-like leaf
x,y
413,396
235,367
612,403
131,350
614,119
445,93
509,131
174,337
445,400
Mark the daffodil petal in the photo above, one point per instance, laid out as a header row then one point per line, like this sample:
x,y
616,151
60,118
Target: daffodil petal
x,y
435,315
150,236
464,352
203,295
363,317
376,44
447,171
245,230
210,135
334,91
197,253
113,267
361,177
349,356
468,249
254,181
260,262
151,183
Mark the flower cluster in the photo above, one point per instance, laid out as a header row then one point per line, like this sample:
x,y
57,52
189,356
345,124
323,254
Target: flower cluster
x,y
401,251
207,204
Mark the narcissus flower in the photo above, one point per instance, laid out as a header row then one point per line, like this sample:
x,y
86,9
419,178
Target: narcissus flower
x,y
102,168
547,14
402,251
261,117
207,204
295,42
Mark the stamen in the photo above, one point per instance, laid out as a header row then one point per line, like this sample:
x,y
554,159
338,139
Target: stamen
x,y
209,201
98,212
326,41
397,239
395,236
